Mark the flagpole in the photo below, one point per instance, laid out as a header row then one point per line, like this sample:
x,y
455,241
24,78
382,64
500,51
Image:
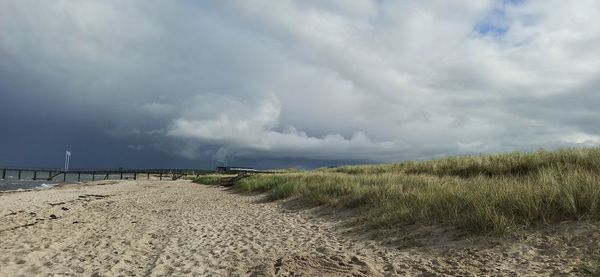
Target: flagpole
x,y
67,158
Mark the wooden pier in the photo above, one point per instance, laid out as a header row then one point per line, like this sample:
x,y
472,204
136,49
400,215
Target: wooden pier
x,y
50,174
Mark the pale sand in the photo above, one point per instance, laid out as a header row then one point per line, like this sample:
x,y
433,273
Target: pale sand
x,y
154,228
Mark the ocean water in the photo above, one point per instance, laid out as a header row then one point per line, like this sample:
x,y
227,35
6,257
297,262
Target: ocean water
x,y
13,182
9,185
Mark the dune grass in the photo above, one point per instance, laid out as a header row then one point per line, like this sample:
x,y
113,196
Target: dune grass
x,y
211,179
482,194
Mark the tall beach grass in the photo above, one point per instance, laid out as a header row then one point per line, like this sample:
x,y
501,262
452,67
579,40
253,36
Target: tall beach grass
x,y
481,194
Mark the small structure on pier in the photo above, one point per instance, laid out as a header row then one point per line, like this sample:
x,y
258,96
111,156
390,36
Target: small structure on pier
x,y
221,165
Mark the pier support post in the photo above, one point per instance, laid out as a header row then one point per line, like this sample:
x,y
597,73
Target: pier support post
x,y
49,175
121,178
93,176
161,175
78,176
20,174
3,173
34,175
148,175
65,176
135,176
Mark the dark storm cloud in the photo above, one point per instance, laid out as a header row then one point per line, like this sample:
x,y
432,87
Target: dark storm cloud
x,y
293,83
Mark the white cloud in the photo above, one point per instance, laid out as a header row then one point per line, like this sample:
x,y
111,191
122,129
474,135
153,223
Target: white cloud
x,y
253,133
580,138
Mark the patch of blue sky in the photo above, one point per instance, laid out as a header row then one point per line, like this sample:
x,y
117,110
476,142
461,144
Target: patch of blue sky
x,y
513,2
495,22
488,28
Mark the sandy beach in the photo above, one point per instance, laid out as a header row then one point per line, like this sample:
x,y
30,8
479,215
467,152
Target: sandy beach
x,y
164,228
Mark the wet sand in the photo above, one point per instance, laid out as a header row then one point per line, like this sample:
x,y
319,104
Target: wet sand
x,y
163,228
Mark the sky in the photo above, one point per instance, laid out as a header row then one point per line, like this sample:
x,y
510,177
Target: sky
x,y
293,83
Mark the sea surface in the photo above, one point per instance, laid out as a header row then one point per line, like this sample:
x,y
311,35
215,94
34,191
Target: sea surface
x,y
8,185
13,182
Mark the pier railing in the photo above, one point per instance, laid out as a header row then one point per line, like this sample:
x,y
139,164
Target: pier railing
x,y
49,174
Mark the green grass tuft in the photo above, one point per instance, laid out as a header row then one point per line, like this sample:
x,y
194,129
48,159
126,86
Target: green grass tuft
x,y
491,193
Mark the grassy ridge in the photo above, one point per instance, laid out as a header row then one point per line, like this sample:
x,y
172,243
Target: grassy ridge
x,y
492,193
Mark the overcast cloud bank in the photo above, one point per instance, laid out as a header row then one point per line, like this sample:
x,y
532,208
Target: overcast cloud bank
x,y
308,82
